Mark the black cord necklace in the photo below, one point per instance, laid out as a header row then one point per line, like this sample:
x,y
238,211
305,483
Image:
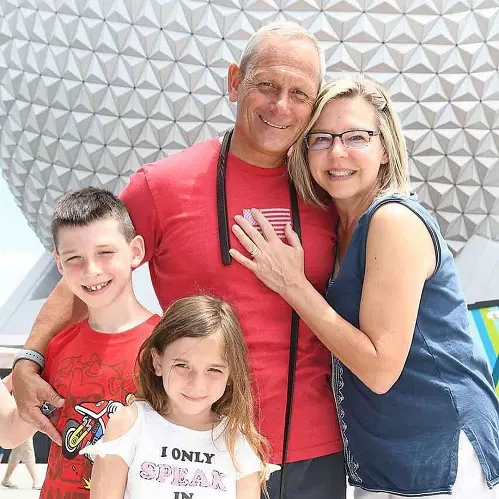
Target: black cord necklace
x,y
223,232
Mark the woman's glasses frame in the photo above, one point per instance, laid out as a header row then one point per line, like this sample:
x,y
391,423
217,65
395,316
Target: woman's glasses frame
x,y
344,137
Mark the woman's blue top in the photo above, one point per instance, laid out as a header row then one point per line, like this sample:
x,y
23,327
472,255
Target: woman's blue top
x,y
406,440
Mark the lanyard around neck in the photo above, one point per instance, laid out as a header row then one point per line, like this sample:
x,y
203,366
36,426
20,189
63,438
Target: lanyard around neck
x,y
223,218
223,231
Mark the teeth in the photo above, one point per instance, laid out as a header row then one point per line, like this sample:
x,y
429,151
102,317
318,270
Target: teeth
x,y
272,125
98,286
340,173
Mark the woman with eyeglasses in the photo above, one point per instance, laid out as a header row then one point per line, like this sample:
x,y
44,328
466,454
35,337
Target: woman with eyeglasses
x,y
414,394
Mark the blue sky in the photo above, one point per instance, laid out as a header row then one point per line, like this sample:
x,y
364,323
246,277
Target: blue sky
x,y
20,248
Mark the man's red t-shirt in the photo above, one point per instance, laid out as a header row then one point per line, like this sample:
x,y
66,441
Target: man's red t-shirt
x,y
94,373
173,206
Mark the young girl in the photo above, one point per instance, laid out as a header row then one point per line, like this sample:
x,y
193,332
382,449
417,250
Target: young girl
x,y
190,433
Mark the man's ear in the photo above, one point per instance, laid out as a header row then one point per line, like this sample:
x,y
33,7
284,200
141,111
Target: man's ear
x,y
57,259
234,79
137,247
157,362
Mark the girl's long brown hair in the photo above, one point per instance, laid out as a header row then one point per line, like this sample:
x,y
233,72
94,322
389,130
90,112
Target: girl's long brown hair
x,y
197,317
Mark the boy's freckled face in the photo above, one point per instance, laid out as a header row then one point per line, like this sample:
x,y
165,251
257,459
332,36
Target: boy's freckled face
x,y
96,261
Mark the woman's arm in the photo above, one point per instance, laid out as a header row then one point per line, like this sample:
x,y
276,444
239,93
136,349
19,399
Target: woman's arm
x,y
110,473
400,257
248,487
13,430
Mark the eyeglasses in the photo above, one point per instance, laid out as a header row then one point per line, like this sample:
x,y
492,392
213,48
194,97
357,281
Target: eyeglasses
x,y
352,139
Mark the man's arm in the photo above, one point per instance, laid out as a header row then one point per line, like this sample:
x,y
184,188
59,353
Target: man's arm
x,y
61,309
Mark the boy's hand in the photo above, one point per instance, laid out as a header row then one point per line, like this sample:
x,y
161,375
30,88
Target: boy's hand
x,y
30,392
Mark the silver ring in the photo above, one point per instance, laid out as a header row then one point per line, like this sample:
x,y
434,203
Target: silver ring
x,y
255,251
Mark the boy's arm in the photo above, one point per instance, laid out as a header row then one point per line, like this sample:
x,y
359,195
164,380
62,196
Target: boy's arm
x,y
13,430
61,309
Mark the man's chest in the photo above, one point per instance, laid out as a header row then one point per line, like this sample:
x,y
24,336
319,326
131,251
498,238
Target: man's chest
x,y
191,244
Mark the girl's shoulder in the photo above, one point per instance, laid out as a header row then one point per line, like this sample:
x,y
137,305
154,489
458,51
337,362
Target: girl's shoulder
x,y
122,421
121,436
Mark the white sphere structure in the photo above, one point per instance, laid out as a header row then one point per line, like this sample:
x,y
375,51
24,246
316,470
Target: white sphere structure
x,y
92,89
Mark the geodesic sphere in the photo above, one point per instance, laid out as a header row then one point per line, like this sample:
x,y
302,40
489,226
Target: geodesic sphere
x,y
92,89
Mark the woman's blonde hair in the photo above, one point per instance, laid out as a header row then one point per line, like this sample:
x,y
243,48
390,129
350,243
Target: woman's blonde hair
x,y
393,176
201,316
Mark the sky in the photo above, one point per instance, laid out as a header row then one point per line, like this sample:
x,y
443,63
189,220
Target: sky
x,y
20,248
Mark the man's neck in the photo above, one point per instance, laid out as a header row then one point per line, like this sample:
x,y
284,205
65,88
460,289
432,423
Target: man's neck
x,y
239,147
123,314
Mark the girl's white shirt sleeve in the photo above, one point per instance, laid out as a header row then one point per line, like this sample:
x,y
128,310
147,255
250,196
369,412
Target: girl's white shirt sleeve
x,y
246,461
124,446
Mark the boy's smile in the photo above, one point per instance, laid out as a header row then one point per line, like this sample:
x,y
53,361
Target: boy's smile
x,y
96,287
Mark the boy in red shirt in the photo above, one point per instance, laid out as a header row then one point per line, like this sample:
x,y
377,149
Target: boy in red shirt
x,y
91,363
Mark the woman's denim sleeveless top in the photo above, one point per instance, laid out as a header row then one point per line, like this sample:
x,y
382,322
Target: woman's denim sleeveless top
x,y
406,441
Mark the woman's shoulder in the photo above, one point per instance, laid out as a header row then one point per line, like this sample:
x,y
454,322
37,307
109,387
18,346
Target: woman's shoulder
x,y
397,208
392,198
402,226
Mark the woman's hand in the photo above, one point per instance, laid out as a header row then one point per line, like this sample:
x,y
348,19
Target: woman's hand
x,y
278,265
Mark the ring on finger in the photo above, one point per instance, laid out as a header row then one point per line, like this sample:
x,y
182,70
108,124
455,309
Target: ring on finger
x,y
255,251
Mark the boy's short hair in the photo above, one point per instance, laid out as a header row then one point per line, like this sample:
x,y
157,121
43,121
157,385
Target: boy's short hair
x,y
84,206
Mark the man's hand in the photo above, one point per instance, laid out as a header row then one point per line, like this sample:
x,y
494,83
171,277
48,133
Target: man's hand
x,y
30,392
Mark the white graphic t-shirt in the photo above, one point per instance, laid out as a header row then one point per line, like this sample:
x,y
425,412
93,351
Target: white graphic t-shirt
x,y
168,461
